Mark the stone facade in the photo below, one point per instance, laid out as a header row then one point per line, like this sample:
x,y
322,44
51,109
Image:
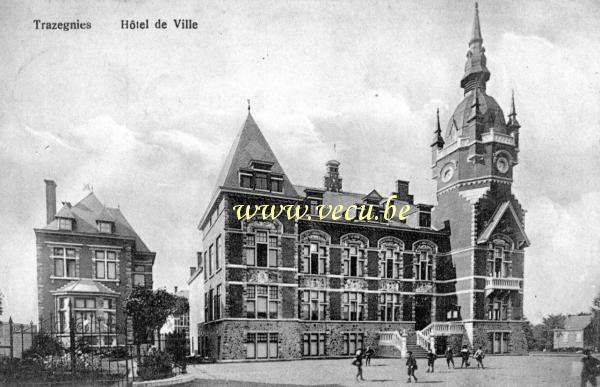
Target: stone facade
x,y
312,285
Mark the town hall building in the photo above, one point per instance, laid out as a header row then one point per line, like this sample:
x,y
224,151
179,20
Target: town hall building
x,y
450,274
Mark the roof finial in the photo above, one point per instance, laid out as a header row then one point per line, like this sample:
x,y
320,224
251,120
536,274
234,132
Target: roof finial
x,y
248,106
513,111
437,138
476,34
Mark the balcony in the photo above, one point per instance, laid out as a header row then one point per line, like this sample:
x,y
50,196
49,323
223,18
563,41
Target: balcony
x,y
502,284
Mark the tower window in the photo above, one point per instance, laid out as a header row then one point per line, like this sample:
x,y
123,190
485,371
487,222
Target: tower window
x,y
105,227
65,224
245,181
261,181
276,185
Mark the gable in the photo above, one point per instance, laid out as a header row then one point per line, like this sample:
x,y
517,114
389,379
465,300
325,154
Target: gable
x,y
505,221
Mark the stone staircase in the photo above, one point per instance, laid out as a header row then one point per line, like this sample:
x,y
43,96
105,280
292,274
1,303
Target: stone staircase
x,y
425,338
411,345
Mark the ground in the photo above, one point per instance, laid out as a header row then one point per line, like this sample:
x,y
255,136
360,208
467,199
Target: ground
x,y
500,371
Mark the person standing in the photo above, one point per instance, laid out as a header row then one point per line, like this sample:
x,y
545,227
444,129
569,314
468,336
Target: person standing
x,y
591,369
449,357
358,363
368,355
411,364
464,354
430,360
479,355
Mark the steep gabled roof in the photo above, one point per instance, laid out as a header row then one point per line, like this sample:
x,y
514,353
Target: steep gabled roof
x,y
250,145
503,208
89,210
65,212
373,197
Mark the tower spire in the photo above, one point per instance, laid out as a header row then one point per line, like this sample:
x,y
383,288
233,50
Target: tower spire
x,y
437,138
476,33
512,116
476,73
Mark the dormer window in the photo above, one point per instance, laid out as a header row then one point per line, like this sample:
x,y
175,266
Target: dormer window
x,y
105,227
65,224
261,181
259,177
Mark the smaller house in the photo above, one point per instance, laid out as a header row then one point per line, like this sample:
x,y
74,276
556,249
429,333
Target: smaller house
x,y
577,333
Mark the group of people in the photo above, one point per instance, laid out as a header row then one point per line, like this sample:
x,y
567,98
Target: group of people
x,y
411,361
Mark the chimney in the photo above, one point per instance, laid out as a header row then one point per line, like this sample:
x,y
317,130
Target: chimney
x,y
402,191
332,180
50,200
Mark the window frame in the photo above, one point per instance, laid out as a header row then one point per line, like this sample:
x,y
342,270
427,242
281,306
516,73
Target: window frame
x,y
62,222
360,263
271,243
320,254
359,300
358,342
311,302
252,338
270,297
307,344
106,263
424,263
65,260
394,306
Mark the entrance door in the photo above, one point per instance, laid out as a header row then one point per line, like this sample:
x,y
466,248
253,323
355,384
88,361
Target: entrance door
x,y
422,312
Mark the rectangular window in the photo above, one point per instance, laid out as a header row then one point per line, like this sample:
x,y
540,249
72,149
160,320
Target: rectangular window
x,y
65,224
262,345
261,249
205,267
261,181
425,219
218,253
499,263
389,307
353,259
313,344
424,266
314,258
353,306
210,260
353,341
217,303
245,181
276,185
106,265
64,260
391,264
314,305
105,227
262,301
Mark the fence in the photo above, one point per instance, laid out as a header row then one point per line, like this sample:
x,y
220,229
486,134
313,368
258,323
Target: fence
x,y
85,350
15,338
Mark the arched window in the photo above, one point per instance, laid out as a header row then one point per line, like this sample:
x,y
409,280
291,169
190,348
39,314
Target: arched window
x,y
499,262
354,254
390,258
424,252
314,252
262,243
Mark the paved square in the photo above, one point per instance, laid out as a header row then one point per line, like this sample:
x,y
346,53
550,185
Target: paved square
x,y
500,371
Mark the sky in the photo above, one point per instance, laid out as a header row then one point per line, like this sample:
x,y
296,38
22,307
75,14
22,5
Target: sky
x,y
146,116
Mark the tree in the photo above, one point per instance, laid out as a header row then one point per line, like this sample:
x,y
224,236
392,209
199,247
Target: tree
x,y
149,310
549,323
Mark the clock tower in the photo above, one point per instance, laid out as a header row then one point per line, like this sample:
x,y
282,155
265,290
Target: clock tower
x,y
472,162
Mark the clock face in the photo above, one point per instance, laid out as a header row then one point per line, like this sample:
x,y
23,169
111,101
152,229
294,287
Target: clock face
x,y
447,173
502,165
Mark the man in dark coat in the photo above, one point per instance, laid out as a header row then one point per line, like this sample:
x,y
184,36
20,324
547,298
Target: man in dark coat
x,y
358,363
449,357
411,363
430,360
591,369
368,355
465,354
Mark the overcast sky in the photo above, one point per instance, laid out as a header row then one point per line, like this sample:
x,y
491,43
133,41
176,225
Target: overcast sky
x,y
147,116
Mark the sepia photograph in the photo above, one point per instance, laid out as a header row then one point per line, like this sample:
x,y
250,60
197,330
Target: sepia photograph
x,y
299,193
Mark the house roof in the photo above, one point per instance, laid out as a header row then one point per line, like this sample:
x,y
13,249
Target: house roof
x,y
573,323
250,145
88,211
503,208
85,285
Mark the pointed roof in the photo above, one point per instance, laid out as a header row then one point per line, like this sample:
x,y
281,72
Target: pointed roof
x,y
65,212
85,285
437,137
512,116
373,197
476,33
250,145
105,216
89,210
501,210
